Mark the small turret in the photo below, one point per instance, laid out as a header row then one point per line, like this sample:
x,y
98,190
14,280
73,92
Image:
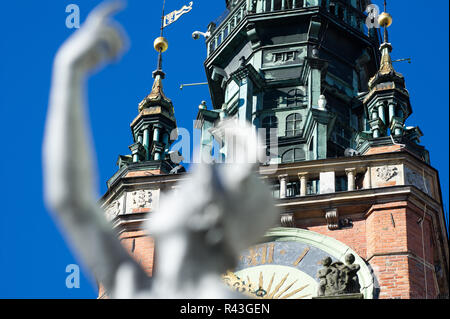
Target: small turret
x,y
387,103
153,126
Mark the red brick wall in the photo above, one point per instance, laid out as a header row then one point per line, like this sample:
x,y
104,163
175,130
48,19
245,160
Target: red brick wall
x,y
350,236
391,244
143,251
421,248
390,238
386,229
383,149
393,276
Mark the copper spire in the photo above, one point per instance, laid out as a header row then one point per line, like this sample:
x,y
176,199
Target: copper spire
x,y
157,96
386,67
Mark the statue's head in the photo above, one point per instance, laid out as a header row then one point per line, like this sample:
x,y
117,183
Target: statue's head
x,y
326,261
350,259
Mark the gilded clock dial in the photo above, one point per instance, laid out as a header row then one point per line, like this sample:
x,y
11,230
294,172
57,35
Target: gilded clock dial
x,y
277,270
272,282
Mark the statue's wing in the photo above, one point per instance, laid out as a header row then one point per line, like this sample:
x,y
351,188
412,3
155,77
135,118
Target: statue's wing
x,y
69,176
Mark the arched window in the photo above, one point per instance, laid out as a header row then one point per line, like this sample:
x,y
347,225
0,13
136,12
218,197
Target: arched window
x,y
269,122
293,123
295,98
293,155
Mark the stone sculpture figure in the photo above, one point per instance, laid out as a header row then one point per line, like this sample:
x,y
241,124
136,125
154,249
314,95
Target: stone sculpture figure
x,y
337,278
350,270
322,275
199,231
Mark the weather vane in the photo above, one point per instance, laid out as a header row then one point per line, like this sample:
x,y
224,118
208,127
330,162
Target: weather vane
x,y
161,44
385,20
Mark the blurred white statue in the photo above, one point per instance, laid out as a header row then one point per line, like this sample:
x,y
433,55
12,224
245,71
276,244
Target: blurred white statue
x,y
199,231
217,213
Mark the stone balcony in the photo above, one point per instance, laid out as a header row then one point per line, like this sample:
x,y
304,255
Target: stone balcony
x,y
351,173
332,188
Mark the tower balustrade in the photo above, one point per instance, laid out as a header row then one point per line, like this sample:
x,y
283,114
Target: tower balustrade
x,y
347,11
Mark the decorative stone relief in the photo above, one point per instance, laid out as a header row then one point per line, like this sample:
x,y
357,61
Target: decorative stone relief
x,y
114,209
282,57
386,173
417,179
142,199
276,58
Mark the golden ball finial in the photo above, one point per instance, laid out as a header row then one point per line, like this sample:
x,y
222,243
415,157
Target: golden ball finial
x,y
161,44
385,19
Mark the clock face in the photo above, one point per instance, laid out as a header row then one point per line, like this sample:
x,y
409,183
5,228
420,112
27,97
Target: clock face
x,y
278,270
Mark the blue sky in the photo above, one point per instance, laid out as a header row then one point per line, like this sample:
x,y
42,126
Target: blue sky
x,y
33,254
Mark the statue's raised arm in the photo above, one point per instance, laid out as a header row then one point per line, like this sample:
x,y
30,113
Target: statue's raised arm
x,y
69,173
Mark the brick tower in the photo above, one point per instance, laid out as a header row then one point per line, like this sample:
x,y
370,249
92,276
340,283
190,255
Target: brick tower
x,y
349,173
349,176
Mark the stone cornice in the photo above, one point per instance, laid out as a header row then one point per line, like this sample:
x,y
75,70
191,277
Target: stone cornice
x,y
354,200
121,180
316,166
129,222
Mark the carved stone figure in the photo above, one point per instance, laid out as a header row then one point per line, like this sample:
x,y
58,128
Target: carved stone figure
x,y
322,275
142,199
337,278
386,172
199,231
350,270
113,210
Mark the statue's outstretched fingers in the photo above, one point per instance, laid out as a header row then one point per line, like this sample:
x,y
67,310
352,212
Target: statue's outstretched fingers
x,y
104,11
114,40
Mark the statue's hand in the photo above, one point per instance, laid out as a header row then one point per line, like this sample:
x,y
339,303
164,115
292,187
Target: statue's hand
x,y
98,41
